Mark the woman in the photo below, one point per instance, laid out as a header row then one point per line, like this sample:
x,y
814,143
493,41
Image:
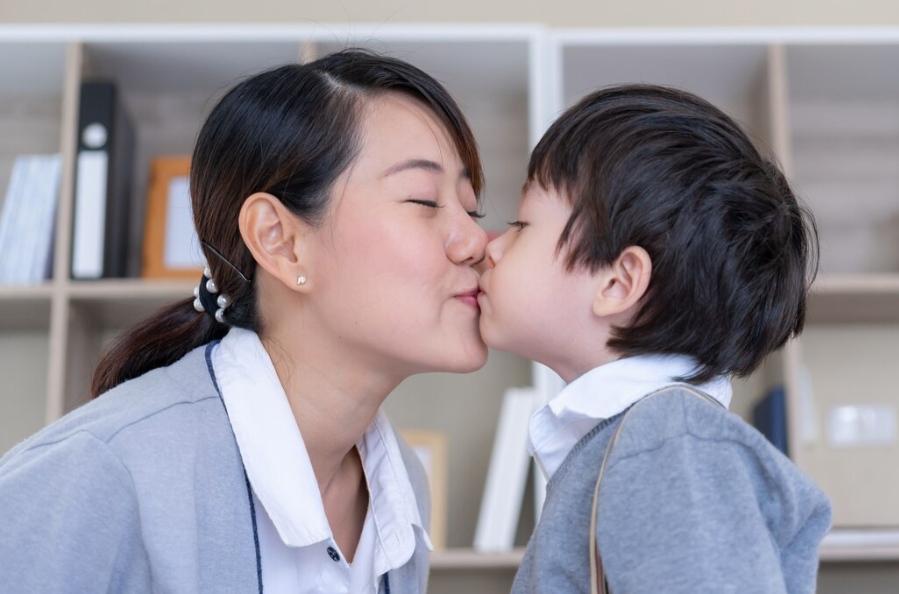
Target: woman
x,y
237,444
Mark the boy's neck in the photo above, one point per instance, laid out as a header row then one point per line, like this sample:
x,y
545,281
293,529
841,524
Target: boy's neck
x,y
572,369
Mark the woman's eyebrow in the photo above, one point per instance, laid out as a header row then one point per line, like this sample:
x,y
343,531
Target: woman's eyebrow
x,y
426,165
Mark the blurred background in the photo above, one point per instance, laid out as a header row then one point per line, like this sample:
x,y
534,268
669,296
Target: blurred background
x,y
815,83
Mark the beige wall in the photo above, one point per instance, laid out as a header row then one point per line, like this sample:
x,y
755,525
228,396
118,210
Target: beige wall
x,y
560,13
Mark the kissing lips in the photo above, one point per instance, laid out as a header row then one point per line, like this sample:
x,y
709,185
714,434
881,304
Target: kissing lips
x,y
470,298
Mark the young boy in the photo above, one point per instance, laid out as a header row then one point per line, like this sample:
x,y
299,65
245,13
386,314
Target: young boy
x,y
656,247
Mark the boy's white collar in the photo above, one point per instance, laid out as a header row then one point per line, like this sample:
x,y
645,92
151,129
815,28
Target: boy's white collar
x,y
602,393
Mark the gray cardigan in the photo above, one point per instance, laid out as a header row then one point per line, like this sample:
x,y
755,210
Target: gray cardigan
x,y
693,501
143,490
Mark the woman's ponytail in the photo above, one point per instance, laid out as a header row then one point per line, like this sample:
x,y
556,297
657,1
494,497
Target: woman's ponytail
x,y
157,341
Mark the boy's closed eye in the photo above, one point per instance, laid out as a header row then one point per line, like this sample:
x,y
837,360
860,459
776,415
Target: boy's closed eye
x,y
518,224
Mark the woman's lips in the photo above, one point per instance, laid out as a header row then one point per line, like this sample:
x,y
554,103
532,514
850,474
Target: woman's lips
x,y
470,298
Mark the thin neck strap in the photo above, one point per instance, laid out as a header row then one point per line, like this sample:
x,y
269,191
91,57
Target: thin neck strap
x,y
594,565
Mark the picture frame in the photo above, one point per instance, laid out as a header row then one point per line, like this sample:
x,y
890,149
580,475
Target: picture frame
x,y
431,449
171,249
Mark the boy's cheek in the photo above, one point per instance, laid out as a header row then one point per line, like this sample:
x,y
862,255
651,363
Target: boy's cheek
x,y
495,319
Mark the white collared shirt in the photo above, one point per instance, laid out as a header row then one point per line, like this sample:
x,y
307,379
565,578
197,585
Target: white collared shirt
x,y
299,554
602,393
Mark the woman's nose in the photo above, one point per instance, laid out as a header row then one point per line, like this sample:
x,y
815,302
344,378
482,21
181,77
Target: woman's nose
x,y
468,244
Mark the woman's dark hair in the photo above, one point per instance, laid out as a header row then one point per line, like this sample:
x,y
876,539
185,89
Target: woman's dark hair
x,y
289,131
733,251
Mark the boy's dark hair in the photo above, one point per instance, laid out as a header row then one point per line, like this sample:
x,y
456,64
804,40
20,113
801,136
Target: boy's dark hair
x,y
733,251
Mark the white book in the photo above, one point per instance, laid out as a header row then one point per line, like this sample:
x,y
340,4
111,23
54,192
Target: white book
x,y
28,221
90,214
11,206
51,171
19,215
506,479
46,199
25,228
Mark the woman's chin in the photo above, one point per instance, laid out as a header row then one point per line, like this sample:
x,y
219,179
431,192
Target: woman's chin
x,y
472,358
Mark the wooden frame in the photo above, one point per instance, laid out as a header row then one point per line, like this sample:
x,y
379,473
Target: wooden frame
x,y
430,446
168,174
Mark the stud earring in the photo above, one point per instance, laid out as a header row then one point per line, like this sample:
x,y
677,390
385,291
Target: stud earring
x,y
301,280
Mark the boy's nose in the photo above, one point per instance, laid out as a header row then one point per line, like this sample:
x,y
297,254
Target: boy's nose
x,y
492,252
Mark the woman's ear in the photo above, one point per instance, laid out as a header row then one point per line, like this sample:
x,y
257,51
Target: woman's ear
x,y
623,283
276,238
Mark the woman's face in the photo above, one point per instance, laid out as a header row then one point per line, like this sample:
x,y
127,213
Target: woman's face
x,y
394,262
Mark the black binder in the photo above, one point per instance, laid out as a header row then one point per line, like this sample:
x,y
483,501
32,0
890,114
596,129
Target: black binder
x,y
102,184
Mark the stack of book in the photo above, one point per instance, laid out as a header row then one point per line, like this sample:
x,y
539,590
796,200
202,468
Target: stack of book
x,y
28,218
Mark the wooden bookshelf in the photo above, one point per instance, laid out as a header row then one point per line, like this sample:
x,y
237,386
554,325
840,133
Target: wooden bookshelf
x,y
817,100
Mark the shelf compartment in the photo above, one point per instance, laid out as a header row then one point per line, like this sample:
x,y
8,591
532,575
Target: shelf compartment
x,y
32,76
734,77
117,304
31,89
25,307
23,365
168,89
849,365
97,312
844,116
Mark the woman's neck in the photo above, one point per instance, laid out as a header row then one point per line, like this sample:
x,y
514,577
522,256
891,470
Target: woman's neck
x,y
334,399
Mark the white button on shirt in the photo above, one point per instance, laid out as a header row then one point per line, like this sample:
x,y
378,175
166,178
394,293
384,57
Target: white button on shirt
x,y
602,393
297,549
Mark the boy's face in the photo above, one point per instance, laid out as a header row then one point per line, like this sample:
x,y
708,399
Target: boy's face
x,y
530,305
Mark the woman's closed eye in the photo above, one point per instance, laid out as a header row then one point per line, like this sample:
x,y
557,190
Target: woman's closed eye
x,y
432,204
428,203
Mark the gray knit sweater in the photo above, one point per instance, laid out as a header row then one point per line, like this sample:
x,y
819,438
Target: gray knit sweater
x,y
143,490
694,500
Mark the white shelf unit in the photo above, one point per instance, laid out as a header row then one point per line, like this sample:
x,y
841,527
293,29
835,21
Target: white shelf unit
x,y
844,128
511,81
51,336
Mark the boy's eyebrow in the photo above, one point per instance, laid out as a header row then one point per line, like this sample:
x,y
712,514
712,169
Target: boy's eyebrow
x,y
424,164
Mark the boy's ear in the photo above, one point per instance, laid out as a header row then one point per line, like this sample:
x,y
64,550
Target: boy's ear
x,y
623,283
276,238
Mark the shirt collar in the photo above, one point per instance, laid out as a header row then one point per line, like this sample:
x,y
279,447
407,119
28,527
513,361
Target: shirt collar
x,y
602,393
278,466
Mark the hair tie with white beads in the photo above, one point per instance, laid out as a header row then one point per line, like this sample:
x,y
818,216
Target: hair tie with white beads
x,y
204,293
205,300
